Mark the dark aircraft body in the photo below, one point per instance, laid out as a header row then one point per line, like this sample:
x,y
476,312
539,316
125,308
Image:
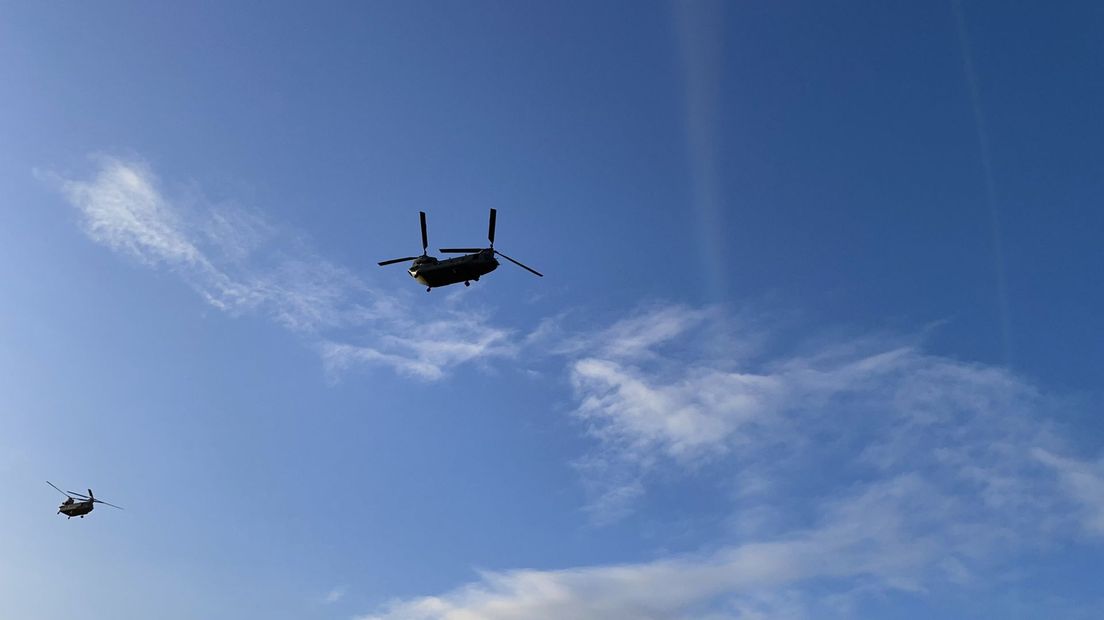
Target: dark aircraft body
x,y
433,272
78,504
72,508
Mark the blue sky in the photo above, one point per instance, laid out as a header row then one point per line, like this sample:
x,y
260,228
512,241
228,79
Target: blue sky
x,y
819,334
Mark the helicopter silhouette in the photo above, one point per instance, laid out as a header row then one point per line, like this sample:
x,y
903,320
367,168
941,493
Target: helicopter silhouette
x,y
434,273
78,504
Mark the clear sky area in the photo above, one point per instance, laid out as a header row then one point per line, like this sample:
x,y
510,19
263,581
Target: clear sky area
x,y
820,332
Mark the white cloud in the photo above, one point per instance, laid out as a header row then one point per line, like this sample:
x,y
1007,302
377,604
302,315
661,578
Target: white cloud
x,y
864,404
213,249
240,263
871,537
893,470
683,418
124,210
334,595
865,468
423,350
1083,481
638,335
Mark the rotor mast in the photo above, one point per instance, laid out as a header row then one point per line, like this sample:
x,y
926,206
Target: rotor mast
x,y
490,238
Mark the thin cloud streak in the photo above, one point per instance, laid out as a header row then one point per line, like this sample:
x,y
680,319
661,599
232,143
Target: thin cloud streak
x,y
970,75
215,250
1083,482
334,595
675,402
864,469
931,474
124,210
425,349
875,540
241,264
701,42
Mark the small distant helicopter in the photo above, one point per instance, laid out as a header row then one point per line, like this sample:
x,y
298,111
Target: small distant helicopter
x,y
78,504
477,262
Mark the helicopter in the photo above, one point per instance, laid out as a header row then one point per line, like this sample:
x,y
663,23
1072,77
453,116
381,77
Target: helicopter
x,y
78,504
434,273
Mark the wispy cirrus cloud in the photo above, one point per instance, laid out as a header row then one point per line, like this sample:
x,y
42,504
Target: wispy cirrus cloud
x,y
334,595
240,263
226,254
871,402
424,349
853,470
1083,482
875,540
124,210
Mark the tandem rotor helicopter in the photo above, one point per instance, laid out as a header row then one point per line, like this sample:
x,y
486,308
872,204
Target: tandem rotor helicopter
x,y
433,273
78,504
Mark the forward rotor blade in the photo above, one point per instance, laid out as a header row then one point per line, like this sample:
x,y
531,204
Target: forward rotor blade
x,y
461,250
491,227
397,260
530,269
55,486
100,501
425,237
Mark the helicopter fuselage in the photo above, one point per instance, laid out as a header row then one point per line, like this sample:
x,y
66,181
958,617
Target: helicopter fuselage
x,y
434,273
78,504
76,509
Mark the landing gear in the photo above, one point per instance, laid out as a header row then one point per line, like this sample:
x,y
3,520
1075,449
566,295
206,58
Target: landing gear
x,y
429,288
467,284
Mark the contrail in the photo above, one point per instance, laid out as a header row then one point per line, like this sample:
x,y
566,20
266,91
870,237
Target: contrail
x,y
700,38
987,169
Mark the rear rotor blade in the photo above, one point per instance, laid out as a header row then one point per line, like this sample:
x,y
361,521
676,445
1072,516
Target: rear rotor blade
x,y
530,269
100,501
425,238
461,250
81,495
55,486
491,227
397,260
